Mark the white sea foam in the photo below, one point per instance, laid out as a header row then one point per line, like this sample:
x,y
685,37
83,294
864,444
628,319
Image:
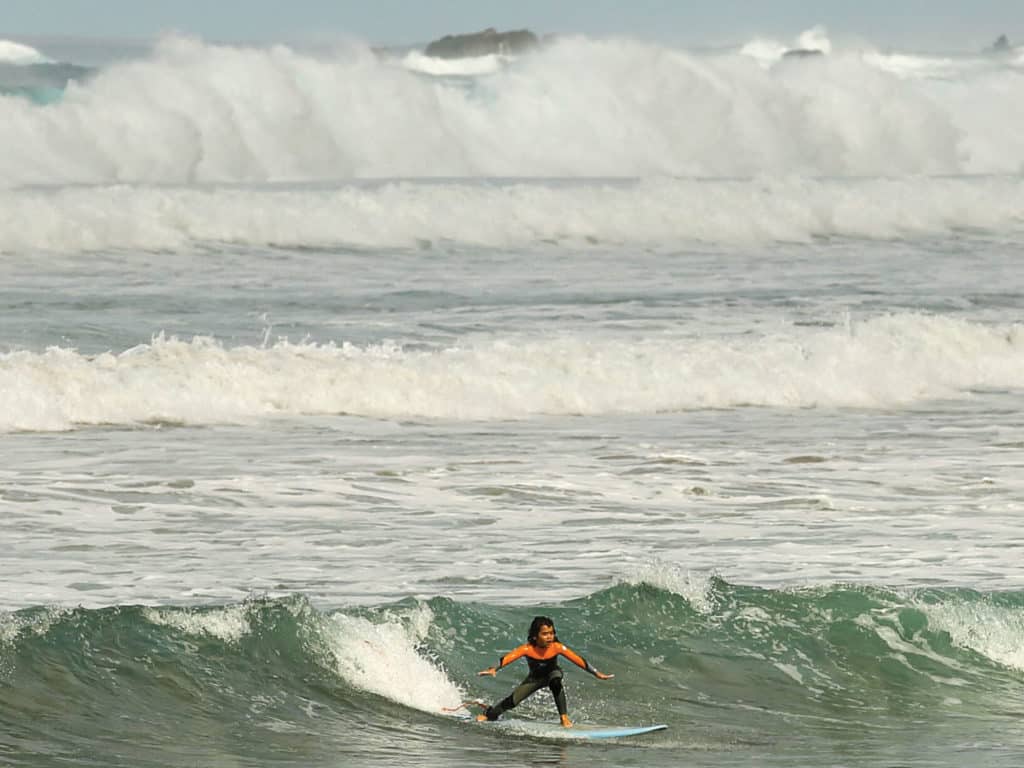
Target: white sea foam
x,y
767,51
671,577
887,361
13,625
382,658
18,53
815,39
903,649
201,113
230,623
789,670
992,630
465,67
652,212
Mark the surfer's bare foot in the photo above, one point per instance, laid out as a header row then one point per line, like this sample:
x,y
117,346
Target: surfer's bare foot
x,y
481,718
566,722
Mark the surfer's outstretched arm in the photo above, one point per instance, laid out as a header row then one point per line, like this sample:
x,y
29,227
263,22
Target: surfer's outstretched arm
x,y
505,660
582,663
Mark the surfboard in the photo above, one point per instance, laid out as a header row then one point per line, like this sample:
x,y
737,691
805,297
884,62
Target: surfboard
x,y
577,732
556,731
598,732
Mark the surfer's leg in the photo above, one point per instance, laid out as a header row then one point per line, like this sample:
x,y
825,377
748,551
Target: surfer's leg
x,y
526,688
555,684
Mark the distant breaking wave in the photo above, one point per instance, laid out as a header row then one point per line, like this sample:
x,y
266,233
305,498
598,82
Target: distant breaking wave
x,y
193,112
12,52
477,65
653,212
886,362
28,74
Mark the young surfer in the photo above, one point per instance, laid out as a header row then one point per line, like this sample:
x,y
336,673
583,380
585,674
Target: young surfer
x,y
541,651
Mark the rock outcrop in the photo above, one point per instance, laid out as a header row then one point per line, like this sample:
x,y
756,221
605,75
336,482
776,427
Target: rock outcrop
x,y
484,43
1001,45
802,53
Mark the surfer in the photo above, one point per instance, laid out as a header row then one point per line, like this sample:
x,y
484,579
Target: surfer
x,y
541,651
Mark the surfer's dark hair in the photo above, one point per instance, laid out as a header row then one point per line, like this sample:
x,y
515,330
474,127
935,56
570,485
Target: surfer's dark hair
x,y
536,624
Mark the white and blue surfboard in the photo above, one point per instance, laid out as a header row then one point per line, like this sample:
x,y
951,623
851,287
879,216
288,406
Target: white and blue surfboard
x,y
601,732
556,731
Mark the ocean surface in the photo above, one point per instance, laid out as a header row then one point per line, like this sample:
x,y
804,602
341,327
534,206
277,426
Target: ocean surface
x,y
323,371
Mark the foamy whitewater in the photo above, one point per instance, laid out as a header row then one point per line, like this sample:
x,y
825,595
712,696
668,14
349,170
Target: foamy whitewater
x,y
323,371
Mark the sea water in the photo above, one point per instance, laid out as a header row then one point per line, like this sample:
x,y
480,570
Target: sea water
x,y
323,372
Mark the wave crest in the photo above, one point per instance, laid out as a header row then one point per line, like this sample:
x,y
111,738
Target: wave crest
x,y
194,112
886,361
653,212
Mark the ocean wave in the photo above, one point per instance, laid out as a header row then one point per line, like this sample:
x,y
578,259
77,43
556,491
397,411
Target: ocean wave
x,y
13,52
463,67
861,652
655,212
194,112
885,362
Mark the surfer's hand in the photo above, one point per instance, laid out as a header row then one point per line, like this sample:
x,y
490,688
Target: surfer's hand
x,y
489,671
603,676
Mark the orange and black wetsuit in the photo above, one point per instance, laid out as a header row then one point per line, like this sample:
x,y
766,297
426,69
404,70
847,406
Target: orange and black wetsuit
x,y
544,672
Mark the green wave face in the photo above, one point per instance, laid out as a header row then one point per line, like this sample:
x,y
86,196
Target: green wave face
x,y
40,83
762,665
40,95
735,672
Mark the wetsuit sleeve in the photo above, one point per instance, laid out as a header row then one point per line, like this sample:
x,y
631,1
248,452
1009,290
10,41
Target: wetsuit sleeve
x,y
576,659
511,656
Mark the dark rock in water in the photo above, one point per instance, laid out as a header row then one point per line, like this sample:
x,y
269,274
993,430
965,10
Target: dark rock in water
x,y
490,41
802,53
1001,45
